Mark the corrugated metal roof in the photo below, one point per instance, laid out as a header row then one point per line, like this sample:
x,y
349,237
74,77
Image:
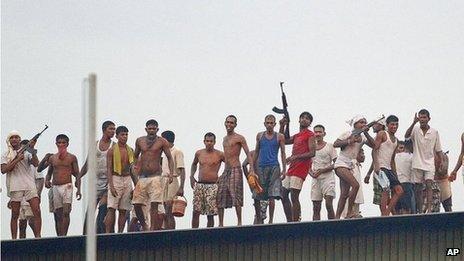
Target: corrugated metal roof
x,y
420,237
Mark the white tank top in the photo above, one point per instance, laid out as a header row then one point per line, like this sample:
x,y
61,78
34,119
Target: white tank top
x,y
386,151
101,162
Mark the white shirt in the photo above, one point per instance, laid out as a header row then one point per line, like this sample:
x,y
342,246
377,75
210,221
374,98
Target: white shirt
x,y
351,151
403,162
425,147
22,177
177,157
324,158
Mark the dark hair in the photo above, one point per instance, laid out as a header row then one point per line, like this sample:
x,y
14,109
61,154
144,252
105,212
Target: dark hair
x,y
305,113
168,135
424,112
106,124
24,142
392,118
151,122
319,126
401,142
408,145
120,129
270,116
232,116
62,137
210,134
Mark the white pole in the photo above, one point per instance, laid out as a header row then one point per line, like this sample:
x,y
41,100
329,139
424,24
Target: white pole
x,y
85,91
91,253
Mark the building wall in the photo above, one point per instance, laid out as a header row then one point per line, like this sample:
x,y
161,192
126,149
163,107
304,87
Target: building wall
x,y
423,237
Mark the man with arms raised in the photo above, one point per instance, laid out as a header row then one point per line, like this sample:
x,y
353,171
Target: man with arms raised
x,y
426,146
268,144
230,184
304,148
205,189
62,166
149,187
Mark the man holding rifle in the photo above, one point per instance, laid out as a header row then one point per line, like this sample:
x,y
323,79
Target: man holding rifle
x,y
17,163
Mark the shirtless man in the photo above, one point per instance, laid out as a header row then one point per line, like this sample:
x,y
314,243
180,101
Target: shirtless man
x,y
385,145
304,148
149,187
350,146
21,182
459,163
61,166
103,145
205,189
230,184
120,157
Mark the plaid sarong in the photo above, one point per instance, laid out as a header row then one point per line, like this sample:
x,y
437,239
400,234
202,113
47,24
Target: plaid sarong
x,y
230,188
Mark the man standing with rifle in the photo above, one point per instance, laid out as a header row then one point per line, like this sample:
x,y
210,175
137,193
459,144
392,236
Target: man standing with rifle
x,y
16,163
304,148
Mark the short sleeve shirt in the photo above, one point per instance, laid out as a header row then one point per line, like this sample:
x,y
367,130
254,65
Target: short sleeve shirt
x,y
324,157
300,168
425,146
403,162
177,157
22,177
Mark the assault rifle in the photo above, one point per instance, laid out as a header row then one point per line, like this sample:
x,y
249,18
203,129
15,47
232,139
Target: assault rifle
x,y
284,110
368,126
27,147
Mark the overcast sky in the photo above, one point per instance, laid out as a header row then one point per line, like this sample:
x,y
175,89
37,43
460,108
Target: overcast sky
x,y
189,64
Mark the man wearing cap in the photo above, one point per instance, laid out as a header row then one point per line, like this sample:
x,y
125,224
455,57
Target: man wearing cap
x,y
21,182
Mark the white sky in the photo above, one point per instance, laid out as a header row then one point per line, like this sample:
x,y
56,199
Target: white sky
x,y
188,65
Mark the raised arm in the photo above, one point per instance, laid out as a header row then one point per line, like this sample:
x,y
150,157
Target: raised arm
x,y
283,155
43,164
408,133
283,123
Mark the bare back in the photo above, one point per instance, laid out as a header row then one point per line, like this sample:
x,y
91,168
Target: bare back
x,y
232,147
150,154
210,162
63,169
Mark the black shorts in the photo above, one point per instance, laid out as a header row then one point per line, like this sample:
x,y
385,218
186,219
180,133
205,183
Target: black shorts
x,y
391,177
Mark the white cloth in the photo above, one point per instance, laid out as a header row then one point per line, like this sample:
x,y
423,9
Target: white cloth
x,y
351,151
386,151
355,119
425,147
324,157
22,176
357,174
403,162
177,157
